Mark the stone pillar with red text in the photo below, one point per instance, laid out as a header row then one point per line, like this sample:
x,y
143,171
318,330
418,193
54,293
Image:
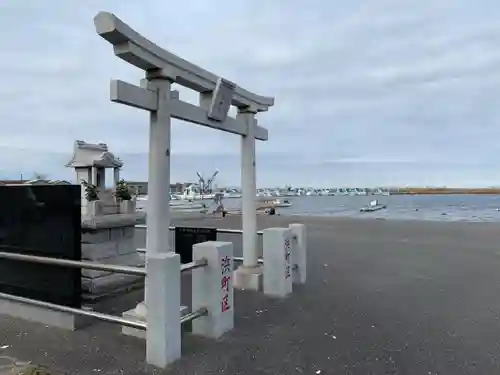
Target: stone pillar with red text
x,y
212,287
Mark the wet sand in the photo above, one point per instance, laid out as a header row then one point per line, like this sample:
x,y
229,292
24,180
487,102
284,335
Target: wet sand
x,y
382,297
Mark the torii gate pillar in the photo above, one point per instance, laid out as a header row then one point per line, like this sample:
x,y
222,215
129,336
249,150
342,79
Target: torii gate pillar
x,y
158,207
249,275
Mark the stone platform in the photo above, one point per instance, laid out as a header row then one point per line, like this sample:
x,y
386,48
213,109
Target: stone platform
x,y
382,297
109,239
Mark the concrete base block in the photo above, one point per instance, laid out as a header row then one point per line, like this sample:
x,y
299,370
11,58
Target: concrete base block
x,y
44,316
134,315
248,278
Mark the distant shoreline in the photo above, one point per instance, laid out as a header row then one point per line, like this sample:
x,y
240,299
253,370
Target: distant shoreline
x,y
446,191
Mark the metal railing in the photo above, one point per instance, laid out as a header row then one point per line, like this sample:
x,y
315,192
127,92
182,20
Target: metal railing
x,y
99,267
260,261
188,266
75,264
192,265
72,310
219,230
194,315
240,259
234,231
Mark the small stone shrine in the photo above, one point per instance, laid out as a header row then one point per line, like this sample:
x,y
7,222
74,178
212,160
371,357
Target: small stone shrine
x,y
108,223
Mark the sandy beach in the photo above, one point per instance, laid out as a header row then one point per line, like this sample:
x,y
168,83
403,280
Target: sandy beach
x,y
382,297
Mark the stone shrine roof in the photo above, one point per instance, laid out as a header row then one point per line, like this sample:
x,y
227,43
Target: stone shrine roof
x,y
93,154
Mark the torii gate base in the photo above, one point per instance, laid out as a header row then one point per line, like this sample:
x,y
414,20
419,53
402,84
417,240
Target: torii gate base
x,y
248,278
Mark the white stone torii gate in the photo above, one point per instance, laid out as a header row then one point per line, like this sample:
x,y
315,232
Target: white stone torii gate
x,y
163,68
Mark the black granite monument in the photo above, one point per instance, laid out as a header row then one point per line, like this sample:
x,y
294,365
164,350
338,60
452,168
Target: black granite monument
x,y
42,220
186,237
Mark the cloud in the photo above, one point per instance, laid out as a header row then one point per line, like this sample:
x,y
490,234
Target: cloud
x,y
367,92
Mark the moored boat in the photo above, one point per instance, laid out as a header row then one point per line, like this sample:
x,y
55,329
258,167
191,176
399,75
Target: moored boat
x,y
373,206
273,203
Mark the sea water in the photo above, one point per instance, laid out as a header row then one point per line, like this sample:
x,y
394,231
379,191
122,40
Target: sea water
x,y
410,207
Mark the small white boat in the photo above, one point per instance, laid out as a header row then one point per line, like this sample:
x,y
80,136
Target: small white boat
x,y
373,206
177,204
282,203
273,203
232,195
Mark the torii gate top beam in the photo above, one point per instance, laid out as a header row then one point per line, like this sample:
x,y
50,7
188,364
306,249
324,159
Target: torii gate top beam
x,y
132,47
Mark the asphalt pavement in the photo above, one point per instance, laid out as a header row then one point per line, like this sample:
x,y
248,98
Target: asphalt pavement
x,y
382,297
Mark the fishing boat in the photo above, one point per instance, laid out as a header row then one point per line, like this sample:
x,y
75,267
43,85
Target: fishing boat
x,y
373,206
175,203
231,193
192,193
273,203
282,203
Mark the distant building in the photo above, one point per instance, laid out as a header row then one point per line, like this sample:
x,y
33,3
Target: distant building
x,y
13,182
34,182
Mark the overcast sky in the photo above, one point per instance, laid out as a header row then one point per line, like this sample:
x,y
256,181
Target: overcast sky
x,y
382,92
